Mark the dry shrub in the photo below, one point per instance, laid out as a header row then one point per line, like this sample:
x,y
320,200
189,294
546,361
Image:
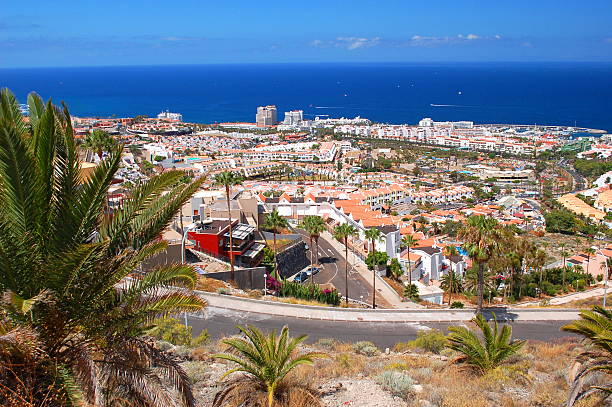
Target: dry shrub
x,y
592,401
200,354
497,379
456,388
463,395
349,363
327,343
244,392
210,284
343,347
549,395
254,294
512,401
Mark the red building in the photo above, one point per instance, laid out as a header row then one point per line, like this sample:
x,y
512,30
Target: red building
x,y
212,237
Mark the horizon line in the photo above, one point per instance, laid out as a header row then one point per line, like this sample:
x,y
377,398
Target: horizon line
x,y
515,62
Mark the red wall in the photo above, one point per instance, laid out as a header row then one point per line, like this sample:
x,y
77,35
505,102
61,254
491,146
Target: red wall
x,y
209,242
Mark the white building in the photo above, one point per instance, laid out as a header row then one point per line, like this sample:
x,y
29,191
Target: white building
x,y
266,116
293,118
175,117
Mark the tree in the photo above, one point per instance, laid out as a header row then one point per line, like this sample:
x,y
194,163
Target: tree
x,y
589,251
596,328
275,223
396,268
99,142
64,265
266,361
450,281
482,237
342,232
537,261
314,226
409,242
561,221
374,235
487,353
411,291
564,253
228,179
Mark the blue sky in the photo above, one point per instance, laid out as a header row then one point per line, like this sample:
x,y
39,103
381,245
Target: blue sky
x,y
133,32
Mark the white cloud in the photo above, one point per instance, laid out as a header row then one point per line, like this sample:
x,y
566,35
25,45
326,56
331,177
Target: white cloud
x,y
425,41
350,43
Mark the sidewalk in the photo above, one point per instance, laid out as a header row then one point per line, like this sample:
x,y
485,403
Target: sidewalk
x,y
564,299
383,289
283,310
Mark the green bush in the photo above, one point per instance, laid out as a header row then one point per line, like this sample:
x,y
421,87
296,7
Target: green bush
x,y
312,292
430,340
397,383
170,330
328,343
457,304
365,348
412,291
600,277
550,289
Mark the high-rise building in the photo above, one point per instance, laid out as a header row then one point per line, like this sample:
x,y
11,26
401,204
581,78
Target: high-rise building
x,y
266,115
294,117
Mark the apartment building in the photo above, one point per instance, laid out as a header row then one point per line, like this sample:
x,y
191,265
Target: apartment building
x,y
266,116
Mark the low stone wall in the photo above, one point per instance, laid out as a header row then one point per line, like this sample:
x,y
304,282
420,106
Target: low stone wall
x,y
384,315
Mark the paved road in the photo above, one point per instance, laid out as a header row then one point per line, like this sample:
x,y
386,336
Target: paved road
x,y
333,263
222,322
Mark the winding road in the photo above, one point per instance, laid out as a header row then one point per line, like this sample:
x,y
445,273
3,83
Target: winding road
x,y
222,322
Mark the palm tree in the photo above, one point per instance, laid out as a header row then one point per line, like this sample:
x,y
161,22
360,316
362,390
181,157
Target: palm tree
x,y
275,222
342,232
99,142
266,361
596,328
487,353
374,235
589,251
537,262
564,253
606,267
409,242
228,179
482,237
314,226
449,281
64,265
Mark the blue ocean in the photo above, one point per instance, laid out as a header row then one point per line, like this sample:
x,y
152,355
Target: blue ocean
x,y
543,93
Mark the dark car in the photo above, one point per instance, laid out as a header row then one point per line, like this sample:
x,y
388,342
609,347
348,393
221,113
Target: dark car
x,y
301,277
313,270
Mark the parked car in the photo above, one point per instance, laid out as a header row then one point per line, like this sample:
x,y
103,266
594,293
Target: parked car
x,y
301,277
313,270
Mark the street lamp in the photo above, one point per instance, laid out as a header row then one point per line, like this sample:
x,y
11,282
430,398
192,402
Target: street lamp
x,y
265,284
